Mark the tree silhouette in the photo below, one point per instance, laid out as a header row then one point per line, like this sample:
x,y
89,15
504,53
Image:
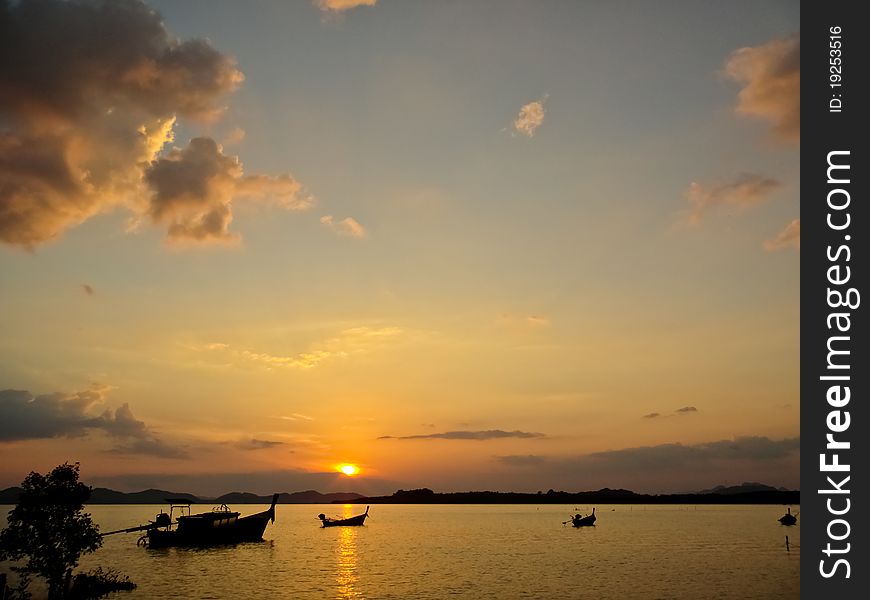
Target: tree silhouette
x,y
49,528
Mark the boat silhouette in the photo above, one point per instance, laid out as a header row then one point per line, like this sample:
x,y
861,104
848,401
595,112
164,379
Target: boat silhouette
x,y
788,518
219,526
350,521
581,521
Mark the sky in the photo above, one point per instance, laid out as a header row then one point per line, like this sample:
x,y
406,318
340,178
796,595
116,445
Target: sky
x,y
460,245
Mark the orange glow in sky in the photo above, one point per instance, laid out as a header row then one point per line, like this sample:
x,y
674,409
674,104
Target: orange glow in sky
x,y
349,470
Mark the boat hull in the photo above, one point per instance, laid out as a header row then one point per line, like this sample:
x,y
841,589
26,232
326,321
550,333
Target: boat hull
x,y
212,529
248,529
349,522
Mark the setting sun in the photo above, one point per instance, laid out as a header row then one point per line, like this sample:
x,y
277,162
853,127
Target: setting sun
x,y
349,470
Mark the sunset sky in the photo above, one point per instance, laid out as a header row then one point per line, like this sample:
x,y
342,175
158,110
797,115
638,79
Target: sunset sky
x,y
513,245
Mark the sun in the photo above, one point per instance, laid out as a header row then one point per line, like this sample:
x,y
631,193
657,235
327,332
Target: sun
x,y
349,470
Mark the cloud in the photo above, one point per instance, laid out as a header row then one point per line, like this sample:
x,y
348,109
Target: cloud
x,y
235,136
523,321
658,468
490,434
686,410
148,446
296,417
790,236
527,460
89,290
771,76
676,456
347,227
348,341
742,192
24,416
193,190
82,125
531,117
255,444
337,6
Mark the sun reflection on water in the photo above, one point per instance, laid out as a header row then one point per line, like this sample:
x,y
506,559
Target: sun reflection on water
x,y
346,574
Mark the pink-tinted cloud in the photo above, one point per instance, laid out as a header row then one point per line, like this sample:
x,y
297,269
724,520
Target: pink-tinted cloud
x,y
771,77
788,237
742,192
338,6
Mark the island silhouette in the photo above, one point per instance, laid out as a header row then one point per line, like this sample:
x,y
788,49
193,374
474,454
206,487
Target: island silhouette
x,y
747,493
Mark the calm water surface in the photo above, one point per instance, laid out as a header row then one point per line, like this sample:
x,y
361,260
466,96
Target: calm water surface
x,y
501,551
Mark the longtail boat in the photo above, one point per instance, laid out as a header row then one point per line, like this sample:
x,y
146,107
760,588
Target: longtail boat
x,y
220,526
333,522
788,518
581,521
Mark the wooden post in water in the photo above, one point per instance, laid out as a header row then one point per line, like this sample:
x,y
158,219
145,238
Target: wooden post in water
x,y
787,549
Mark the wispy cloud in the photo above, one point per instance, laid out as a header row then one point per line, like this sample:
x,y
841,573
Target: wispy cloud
x,y
524,321
521,460
348,227
788,237
256,444
740,193
771,76
338,6
490,434
296,417
530,117
348,342
685,410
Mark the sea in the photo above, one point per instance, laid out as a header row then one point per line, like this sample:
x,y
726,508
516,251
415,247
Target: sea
x,y
434,552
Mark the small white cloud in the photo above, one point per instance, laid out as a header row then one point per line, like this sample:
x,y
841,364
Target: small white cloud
x,y
530,117
348,227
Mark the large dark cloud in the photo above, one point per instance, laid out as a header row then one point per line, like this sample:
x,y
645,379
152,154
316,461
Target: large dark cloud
x,y
89,93
663,467
489,434
193,189
521,460
24,416
675,456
